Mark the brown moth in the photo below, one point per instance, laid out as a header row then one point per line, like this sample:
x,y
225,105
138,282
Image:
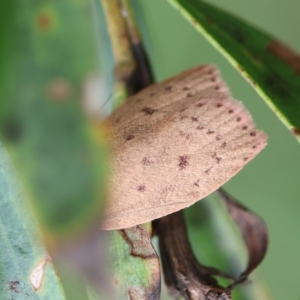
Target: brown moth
x,y
173,144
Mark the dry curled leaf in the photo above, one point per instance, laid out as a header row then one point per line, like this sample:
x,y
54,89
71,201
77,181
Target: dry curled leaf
x,y
187,277
252,228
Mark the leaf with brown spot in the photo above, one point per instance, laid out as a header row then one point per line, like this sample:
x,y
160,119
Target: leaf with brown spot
x,y
271,67
134,264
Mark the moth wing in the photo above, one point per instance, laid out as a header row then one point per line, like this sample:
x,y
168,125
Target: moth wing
x,y
195,145
203,79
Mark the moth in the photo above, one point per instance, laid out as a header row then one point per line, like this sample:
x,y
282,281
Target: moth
x,y
174,143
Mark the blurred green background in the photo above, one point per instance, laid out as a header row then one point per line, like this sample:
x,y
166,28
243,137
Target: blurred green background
x,y
270,184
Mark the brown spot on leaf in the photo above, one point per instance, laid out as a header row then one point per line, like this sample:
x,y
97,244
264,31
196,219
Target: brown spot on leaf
x,y
12,129
238,35
285,54
183,161
277,87
139,242
13,286
296,131
44,22
210,21
148,110
59,89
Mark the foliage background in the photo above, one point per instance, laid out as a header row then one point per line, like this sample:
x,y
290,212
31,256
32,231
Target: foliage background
x,y
269,185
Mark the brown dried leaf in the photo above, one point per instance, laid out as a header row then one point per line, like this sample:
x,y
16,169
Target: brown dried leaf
x,y
187,277
253,230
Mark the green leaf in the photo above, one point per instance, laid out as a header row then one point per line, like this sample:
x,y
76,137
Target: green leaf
x,y
272,68
21,249
134,263
48,60
50,57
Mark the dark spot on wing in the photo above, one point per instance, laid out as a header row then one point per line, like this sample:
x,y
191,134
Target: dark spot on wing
x,y
244,127
223,145
219,105
207,171
199,104
230,111
254,146
196,183
183,161
146,161
141,188
186,88
189,95
168,88
213,79
148,110
246,158
194,119
217,87
253,133
200,127
217,158
129,137
209,131
218,137
238,119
